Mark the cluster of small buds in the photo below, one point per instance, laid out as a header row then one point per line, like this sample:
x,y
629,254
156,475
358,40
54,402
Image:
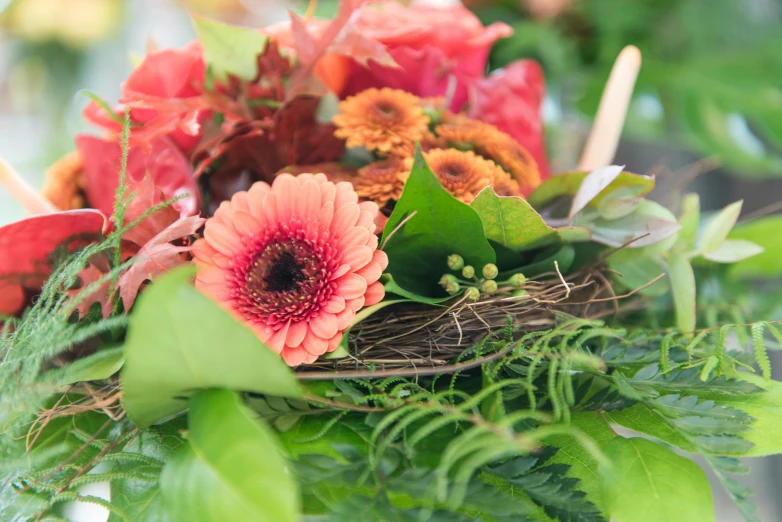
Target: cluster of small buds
x,y
475,286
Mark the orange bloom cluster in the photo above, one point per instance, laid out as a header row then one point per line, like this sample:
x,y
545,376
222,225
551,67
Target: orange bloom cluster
x,y
64,183
466,155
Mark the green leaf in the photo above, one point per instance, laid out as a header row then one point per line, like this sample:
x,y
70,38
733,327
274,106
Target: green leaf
x,y
764,232
593,184
180,341
98,366
649,224
635,273
567,184
437,225
643,419
647,482
765,408
512,222
682,280
138,494
733,251
583,465
690,221
229,49
231,467
719,227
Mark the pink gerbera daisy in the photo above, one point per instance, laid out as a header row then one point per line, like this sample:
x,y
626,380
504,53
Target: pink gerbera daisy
x,y
294,261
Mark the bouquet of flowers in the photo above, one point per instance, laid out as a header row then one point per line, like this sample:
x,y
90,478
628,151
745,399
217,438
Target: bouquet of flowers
x,y
320,271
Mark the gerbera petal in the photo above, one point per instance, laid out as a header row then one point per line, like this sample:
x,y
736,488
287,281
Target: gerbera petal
x,y
314,344
371,272
240,201
334,342
374,294
344,318
351,286
366,220
245,223
308,198
269,209
342,270
345,217
380,257
356,304
296,333
324,325
294,356
345,195
326,214
335,305
372,241
357,256
328,192
223,238
279,336
354,236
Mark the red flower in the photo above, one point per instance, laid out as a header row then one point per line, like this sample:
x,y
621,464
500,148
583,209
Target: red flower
x,y
169,74
510,99
168,170
431,45
27,247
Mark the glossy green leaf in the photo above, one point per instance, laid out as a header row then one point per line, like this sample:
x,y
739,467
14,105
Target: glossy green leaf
x,y
231,467
98,366
719,227
766,233
583,465
619,203
733,251
682,281
567,184
593,184
647,482
180,341
427,225
637,273
228,49
512,222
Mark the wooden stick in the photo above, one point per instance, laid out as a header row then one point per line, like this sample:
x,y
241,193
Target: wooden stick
x,y
604,138
21,191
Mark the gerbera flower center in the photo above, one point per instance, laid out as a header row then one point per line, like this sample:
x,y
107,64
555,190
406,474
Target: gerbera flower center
x,y
278,274
285,276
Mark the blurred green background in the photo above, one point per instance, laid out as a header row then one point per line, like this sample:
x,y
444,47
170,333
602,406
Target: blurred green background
x,y
709,96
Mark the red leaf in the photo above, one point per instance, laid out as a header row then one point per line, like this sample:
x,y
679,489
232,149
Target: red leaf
x,y
88,276
510,99
157,256
315,40
26,247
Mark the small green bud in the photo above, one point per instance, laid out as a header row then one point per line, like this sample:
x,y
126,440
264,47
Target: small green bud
x,y
455,262
517,280
468,272
490,271
490,286
448,279
472,293
452,288
434,114
520,292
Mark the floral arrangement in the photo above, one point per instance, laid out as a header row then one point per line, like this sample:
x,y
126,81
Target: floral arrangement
x,y
321,270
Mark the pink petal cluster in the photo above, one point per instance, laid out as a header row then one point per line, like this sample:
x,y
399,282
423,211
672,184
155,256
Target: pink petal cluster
x,y
294,261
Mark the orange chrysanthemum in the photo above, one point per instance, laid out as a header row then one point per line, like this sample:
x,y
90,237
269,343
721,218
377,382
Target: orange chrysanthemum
x,y
64,183
486,140
463,173
294,261
505,186
386,120
381,181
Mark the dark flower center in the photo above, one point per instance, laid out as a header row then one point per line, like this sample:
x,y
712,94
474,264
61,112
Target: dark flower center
x,y
284,274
